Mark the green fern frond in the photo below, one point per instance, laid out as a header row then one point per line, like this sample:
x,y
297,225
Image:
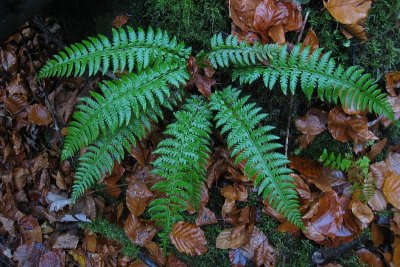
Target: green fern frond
x,y
100,156
255,145
338,162
127,49
182,162
315,71
120,100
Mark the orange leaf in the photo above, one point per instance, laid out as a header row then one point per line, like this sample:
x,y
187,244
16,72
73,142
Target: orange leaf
x,y
377,235
156,253
120,21
277,34
242,13
138,197
369,258
348,11
235,192
392,82
311,40
205,216
39,115
268,14
354,30
391,189
188,238
363,213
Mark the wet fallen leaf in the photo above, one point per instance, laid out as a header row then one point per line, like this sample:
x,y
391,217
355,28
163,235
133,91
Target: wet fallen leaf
x,y
188,238
39,115
28,254
30,229
377,235
138,197
235,192
138,232
311,40
391,189
237,258
348,11
120,20
369,258
354,30
392,82
66,241
156,253
377,148
232,238
9,60
363,213
205,216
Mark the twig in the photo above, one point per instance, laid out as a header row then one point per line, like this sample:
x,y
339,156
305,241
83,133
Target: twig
x,y
289,121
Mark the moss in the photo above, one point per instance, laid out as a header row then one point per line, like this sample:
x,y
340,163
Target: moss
x,y
351,260
284,244
113,232
191,21
324,141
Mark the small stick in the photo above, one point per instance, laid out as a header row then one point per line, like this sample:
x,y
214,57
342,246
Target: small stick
x,y
292,95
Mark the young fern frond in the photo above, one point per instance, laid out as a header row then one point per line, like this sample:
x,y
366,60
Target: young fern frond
x,y
182,162
338,162
315,71
120,100
255,145
100,156
127,49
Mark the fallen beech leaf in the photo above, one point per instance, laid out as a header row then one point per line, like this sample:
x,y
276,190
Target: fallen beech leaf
x,y
311,124
39,115
287,227
264,255
90,242
19,176
50,258
257,240
242,13
232,238
205,216
7,225
138,263
237,258
396,252
15,103
138,197
277,34
204,84
337,124
311,40
188,238
9,60
66,241
348,11
354,30
156,253
377,235
392,82
363,213
395,222
30,229
377,148
111,181
235,192
391,189
173,261
120,20
268,14
28,254
294,19
228,208
139,233
369,258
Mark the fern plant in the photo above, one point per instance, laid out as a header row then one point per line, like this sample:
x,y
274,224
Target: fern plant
x,y
109,122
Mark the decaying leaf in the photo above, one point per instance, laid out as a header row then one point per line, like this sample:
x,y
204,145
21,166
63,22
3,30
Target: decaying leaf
x,y
310,40
138,197
205,216
369,258
310,125
391,189
237,258
188,238
348,11
363,213
140,233
39,115
232,238
258,249
66,241
120,20
235,192
392,82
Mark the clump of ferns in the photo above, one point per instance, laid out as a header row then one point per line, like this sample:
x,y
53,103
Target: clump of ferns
x,y
109,122
357,171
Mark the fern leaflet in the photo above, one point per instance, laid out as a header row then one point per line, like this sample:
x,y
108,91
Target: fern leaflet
x,y
128,49
318,71
255,145
182,162
121,100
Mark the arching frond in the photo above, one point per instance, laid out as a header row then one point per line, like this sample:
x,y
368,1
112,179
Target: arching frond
x,y
255,145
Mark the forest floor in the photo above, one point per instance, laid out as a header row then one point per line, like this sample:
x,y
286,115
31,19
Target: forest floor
x,y
351,213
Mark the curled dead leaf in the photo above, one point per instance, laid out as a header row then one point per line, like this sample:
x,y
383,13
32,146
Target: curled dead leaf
x,y
363,213
232,238
138,197
391,189
348,11
235,192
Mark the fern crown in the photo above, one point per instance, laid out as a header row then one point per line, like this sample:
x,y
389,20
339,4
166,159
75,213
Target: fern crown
x,y
112,119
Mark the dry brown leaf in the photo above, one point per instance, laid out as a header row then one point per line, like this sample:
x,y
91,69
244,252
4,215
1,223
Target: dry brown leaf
x,y
277,34
232,238
392,82
139,233
66,241
39,115
205,216
378,201
377,148
348,11
188,238
120,20
391,189
235,192
338,124
156,253
264,255
377,235
173,261
363,213
369,258
242,13
311,40
15,103
138,197
354,30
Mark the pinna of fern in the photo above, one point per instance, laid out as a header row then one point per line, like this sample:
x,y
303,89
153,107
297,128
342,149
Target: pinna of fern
x,y
312,70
